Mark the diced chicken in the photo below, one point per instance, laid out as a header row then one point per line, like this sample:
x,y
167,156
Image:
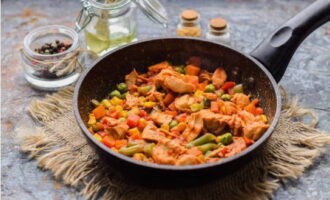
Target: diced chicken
x,y
161,118
159,67
236,147
210,96
219,77
118,131
184,102
109,121
205,76
213,125
132,101
131,78
228,108
157,96
253,127
241,100
188,159
178,85
150,132
167,151
194,127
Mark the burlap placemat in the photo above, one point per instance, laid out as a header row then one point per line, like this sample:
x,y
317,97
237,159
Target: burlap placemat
x,y
59,146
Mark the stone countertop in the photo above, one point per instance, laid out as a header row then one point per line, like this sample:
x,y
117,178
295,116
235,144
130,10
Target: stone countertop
x,y
308,77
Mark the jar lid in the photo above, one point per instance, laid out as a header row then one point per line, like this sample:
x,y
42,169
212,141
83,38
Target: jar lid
x,y
189,15
154,10
218,23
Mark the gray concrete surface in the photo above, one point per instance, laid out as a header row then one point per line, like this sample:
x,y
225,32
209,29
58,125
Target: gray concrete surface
x,y
308,77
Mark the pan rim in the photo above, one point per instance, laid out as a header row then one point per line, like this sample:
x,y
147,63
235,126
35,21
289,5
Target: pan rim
x,y
250,149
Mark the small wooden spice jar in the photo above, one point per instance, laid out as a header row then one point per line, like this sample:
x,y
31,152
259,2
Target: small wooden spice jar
x,y
218,31
189,24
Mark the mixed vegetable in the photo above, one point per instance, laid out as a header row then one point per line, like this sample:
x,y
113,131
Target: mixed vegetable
x,y
177,115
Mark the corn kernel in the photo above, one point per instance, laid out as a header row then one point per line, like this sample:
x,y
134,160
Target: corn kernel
x,y
97,137
135,110
116,101
106,103
149,104
198,93
165,127
133,131
264,118
123,113
92,119
118,108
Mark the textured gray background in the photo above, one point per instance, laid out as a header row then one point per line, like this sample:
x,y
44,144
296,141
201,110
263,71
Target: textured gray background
x,y
308,77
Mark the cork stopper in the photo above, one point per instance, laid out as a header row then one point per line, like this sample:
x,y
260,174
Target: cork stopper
x,y
218,23
189,15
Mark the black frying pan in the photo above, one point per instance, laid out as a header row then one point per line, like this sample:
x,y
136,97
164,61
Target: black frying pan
x,y
259,71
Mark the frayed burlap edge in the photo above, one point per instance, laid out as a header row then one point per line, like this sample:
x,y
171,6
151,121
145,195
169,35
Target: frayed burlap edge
x,y
292,148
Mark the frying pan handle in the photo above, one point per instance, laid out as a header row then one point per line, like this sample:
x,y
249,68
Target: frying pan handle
x,y
275,52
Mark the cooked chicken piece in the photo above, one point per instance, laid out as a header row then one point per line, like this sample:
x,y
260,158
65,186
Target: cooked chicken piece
x,y
161,118
118,131
158,97
188,160
236,147
214,125
109,121
184,102
253,127
159,67
228,108
194,127
219,77
210,96
178,85
132,101
241,100
131,78
205,76
150,132
167,151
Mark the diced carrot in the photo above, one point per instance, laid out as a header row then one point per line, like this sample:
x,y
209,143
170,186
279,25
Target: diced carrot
x,y
192,70
109,141
252,106
201,86
194,60
99,112
258,111
214,107
228,85
182,117
120,143
248,141
172,107
171,112
169,98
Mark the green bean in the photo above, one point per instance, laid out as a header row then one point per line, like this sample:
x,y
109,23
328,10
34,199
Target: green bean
x,y
208,137
238,88
148,148
124,95
225,139
208,153
122,87
173,123
207,147
209,88
115,93
180,69
226,97
129,151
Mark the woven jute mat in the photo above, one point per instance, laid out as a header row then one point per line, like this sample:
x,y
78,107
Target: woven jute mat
x,y
59,146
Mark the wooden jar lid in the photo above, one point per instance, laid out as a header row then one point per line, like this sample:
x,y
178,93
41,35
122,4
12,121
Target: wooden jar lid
x,y
218,23
189,15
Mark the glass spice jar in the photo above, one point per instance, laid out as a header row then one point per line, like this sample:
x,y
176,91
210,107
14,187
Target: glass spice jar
x,y
48,70
108,24
218,31
189,24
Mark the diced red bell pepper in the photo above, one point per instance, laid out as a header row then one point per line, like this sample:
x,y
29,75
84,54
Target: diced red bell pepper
x,y
143,113
228,85
258,111
133,120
